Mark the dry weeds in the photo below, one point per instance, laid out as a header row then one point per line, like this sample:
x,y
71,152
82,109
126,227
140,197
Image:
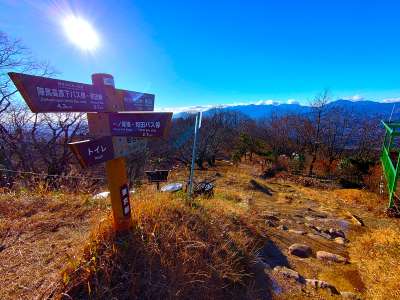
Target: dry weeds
x,y
39,233
377,254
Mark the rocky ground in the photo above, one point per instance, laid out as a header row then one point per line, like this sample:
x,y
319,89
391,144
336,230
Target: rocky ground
x,y
311,240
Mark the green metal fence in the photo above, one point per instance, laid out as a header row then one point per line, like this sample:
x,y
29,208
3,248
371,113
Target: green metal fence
x,y
390,158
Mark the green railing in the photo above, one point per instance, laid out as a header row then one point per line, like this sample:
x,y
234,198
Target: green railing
x,y
390,164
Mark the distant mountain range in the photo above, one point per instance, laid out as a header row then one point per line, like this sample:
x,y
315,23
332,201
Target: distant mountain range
x,y
358,109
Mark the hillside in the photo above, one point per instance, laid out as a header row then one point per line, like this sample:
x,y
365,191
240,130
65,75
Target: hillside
x,y
232,246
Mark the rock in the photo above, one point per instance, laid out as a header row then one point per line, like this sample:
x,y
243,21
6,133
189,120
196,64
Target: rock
x,y
283,227
308,218
172,187
324,235
289,273
317,214
336,233
102,195
350,296
300,250
357,220
340,240
270,223
323,255
319,284
301,232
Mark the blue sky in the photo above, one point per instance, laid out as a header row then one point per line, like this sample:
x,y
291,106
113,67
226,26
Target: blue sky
x,y
192,53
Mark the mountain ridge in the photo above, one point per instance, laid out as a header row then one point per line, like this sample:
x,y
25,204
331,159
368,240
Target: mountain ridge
x,y
362,108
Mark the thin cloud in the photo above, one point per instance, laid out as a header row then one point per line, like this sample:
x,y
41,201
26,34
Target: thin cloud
x,y
391,100
354,98
292,101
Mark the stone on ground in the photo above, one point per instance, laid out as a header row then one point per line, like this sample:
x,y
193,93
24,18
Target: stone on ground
x,y
336,233
102,195
340,240
270,223
283,227
289,273
172,187
323,255
300,232
300,250
319,284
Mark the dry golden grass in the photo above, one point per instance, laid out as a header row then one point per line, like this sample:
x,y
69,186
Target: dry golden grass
x,y
175,250
377,255
39,233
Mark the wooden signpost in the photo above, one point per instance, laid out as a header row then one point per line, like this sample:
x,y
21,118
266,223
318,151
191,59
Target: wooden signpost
x,y
114,117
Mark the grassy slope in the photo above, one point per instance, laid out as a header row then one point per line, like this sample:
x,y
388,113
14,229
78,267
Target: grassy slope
x,y
39,233
177,249
205,249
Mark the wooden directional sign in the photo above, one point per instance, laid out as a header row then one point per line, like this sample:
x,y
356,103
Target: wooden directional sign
x,y
52,95
92,152
130,124
101,100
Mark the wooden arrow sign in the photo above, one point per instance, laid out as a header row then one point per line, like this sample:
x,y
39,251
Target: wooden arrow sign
x,y
92,152
130,124
52,95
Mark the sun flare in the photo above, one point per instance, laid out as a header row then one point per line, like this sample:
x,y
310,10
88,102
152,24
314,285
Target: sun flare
x,y
81,33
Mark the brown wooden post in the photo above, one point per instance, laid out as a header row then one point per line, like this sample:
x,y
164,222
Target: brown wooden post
x,y
116,168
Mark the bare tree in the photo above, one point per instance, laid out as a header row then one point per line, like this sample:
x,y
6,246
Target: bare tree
x,y
338,131
50,135
318,106
15,57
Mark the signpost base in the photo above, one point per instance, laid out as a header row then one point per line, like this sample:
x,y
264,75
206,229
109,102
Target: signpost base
x,y
119,192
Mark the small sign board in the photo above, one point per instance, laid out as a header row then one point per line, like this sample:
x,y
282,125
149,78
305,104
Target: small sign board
x,y
144,125
124,194
91,152
157,175
135,101
44,94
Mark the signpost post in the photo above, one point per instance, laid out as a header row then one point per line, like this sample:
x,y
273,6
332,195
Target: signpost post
x,y
114,116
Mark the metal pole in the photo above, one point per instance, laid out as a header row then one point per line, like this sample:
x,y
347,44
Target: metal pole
x,y
196,129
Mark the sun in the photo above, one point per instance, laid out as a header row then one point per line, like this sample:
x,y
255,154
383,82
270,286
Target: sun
x,y
81,33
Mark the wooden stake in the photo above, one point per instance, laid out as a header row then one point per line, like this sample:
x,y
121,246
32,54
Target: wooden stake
x,y
119,192
116,168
